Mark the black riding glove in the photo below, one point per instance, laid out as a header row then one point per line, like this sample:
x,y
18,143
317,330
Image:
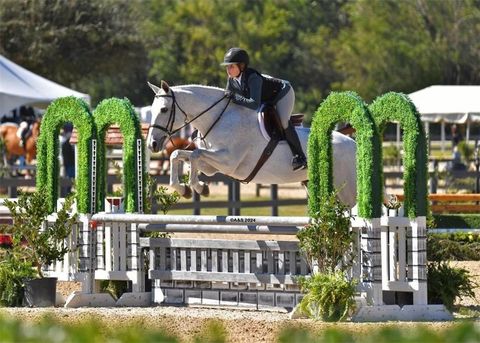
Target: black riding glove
x,y
229,94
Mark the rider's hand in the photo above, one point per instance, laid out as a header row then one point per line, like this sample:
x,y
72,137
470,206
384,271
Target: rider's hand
x,y
228,94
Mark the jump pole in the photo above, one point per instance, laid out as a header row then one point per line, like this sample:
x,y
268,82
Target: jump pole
x,y
198,219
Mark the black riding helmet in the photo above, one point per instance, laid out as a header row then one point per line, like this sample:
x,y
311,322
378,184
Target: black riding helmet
x,y
235,56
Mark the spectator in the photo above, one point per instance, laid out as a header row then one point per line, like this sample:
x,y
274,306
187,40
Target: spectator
x,y
456,136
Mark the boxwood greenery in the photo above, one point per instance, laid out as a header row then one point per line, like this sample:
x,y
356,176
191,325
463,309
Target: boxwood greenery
x,y
348,107
120,112
457,221
397,107
61,111
110,111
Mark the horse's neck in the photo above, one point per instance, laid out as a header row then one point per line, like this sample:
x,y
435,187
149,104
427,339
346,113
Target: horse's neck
x,y
195,99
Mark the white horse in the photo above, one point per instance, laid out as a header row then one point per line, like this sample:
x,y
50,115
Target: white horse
x,y
233,142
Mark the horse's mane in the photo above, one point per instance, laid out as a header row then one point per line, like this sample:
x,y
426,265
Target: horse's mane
x,y
186,87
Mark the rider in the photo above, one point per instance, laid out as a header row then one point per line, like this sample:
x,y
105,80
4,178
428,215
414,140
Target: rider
x,y
27,117
249,88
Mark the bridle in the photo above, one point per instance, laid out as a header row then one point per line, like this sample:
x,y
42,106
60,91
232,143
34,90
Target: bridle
x,y
168,129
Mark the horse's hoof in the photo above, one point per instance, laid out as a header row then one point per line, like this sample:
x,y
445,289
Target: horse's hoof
x,y
187,194
205,191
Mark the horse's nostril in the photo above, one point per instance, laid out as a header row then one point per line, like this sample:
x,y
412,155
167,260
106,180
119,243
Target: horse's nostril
x,y
154,145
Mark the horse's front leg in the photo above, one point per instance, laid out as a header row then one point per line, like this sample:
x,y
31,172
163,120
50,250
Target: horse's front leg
x,y
207,161
175,158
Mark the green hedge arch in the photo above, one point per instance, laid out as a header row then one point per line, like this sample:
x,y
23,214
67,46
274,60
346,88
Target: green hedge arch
x,y
120,112
349,107
397,107
61,111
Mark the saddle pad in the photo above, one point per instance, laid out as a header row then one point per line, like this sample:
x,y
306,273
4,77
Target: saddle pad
x,y
267,124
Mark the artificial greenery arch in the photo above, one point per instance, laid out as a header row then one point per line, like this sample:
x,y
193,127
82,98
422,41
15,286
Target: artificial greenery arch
x,y
61,111
119,111
397,107
349,107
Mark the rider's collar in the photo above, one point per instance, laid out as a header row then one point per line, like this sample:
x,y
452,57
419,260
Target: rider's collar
x,y
239,78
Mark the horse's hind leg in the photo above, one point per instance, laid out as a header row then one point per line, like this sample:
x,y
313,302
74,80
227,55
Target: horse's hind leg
x,y
175,158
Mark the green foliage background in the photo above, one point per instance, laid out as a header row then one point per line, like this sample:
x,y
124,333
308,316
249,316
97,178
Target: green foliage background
x,y
467,221
109,48
119,111
61,111
91,46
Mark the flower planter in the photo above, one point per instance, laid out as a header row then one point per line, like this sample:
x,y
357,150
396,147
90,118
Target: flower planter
x,y
5,241
40,292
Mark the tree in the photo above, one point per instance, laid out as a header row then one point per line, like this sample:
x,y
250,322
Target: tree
x,y
407,45
92,46
286,39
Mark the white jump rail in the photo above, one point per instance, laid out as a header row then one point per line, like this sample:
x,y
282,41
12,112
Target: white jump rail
x,y
389,256
199,219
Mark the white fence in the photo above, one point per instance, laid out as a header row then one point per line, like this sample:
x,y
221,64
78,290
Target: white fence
x,y
390,257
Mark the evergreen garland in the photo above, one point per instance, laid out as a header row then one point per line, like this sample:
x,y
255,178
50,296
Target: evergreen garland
x,y
397,107
61,111
120,112
348,107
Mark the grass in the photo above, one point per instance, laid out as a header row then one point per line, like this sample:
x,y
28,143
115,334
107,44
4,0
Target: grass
x,y
296,210
51,329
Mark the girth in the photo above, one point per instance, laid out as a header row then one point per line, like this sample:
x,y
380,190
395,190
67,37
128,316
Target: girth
x,y
267,152
276,135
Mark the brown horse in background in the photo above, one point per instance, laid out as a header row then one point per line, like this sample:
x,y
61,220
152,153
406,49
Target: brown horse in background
x,y
8,133
171,145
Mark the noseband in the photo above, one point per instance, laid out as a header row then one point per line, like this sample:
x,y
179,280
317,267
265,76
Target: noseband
x,y
168,129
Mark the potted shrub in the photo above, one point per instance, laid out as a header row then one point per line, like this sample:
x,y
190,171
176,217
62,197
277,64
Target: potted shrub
x,y
326,244
35,245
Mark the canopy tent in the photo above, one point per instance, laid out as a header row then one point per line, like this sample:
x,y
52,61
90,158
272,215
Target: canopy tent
x,y
19,87
448,104
451,104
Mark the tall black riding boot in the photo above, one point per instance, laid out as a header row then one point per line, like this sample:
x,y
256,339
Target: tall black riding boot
x,y
299,160
22,138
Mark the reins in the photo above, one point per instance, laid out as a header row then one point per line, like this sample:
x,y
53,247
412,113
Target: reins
x,y
168,129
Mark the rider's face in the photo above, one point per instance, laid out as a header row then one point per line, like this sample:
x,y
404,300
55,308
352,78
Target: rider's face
x,y
233,70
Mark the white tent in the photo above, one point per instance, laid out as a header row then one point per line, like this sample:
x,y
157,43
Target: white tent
x,y
452,104
448,104
19,87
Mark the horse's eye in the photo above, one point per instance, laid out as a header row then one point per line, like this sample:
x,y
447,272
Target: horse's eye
x,y
164,110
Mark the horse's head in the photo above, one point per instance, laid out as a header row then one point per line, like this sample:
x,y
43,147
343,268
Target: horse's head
x,y
163,116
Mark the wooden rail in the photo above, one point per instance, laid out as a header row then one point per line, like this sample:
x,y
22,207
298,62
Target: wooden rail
x,y
452,203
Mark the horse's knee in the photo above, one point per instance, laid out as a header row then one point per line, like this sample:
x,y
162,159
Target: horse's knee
x,y
174,155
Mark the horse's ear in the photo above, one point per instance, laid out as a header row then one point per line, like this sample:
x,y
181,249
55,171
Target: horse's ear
x,y
154,88
165,86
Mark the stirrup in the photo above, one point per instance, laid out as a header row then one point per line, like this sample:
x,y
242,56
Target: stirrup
x,y
299,163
